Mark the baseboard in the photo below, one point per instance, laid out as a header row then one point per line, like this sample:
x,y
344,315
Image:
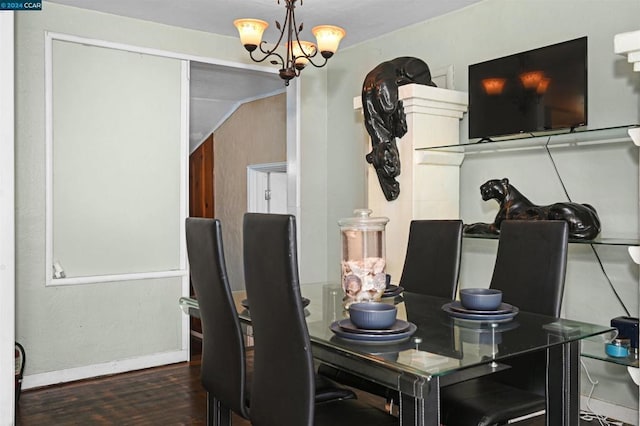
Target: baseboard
x,y
107,368
618,412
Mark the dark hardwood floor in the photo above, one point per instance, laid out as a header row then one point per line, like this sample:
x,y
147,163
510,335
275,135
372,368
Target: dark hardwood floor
x,y
168,395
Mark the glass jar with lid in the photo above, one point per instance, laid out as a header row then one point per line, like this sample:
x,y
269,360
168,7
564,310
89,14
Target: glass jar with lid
x,y
363,256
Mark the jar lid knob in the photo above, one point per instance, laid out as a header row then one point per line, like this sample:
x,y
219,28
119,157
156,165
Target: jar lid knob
x,y
363,212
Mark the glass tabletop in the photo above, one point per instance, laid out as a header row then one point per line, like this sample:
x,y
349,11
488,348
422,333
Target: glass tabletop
x,y
441,344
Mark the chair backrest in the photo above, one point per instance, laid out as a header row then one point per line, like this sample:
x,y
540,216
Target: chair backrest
x,y
432,263
223,352
531,264
283,387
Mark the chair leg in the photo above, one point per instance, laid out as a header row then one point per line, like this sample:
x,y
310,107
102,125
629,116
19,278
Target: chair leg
x,y
388,405
217,414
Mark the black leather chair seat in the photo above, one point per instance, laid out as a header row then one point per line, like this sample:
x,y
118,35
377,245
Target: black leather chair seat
x,y
484,402
357,382
328,390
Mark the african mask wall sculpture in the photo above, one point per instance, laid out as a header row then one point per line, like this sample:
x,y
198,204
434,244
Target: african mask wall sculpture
x,y
384,116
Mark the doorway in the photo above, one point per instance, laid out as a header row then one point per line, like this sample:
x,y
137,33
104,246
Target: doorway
x,y
267,188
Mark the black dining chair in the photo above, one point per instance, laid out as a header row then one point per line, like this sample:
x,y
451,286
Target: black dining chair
x,y
223,365
432,262
530,270
282,388
431,267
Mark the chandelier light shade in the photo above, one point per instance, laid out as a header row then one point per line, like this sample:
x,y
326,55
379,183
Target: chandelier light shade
x,y
328,38
251,31
301,51
298,52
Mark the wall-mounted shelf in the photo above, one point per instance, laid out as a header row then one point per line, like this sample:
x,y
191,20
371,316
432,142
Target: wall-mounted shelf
x,y
595,349
626,242
578,137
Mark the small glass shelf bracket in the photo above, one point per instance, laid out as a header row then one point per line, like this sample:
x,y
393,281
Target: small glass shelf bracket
x,y
634,252
635,135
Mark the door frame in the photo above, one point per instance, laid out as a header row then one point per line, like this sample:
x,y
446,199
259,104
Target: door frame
x,y
7,218
254,189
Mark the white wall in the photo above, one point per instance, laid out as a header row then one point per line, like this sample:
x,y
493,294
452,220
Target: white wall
x,y
483,31
7,270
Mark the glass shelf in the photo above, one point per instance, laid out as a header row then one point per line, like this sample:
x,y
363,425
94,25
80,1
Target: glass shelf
x,y
579,136
627,242
594,348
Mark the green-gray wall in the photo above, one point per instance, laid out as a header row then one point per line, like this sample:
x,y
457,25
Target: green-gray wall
x,y
74,328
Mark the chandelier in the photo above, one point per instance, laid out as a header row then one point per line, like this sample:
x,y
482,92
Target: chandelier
x,y
298,53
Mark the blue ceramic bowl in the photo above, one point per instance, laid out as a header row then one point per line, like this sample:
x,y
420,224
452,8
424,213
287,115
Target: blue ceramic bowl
x,y
372,315
480,299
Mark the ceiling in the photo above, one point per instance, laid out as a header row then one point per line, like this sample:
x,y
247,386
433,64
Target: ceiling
x,y
217,91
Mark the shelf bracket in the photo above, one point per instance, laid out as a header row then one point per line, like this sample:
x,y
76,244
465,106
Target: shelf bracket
x,y
635,135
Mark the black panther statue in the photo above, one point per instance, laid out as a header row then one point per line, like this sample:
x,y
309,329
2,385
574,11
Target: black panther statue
x,y
582,218
384,116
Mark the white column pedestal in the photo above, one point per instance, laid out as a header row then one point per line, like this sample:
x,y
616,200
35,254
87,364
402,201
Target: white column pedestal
x,y
429,181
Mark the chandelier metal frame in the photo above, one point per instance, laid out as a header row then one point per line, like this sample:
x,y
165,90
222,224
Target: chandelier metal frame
x,y
298,53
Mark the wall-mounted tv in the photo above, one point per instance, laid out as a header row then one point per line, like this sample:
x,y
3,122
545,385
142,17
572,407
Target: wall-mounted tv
x,y
534,91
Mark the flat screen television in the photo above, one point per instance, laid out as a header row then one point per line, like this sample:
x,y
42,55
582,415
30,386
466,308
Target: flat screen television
x,y
534,91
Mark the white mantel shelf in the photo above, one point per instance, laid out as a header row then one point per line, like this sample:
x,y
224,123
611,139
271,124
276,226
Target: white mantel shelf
x,y
439,101
629,44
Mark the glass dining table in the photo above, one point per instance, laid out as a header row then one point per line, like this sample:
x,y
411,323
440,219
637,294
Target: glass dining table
x,y
444,350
